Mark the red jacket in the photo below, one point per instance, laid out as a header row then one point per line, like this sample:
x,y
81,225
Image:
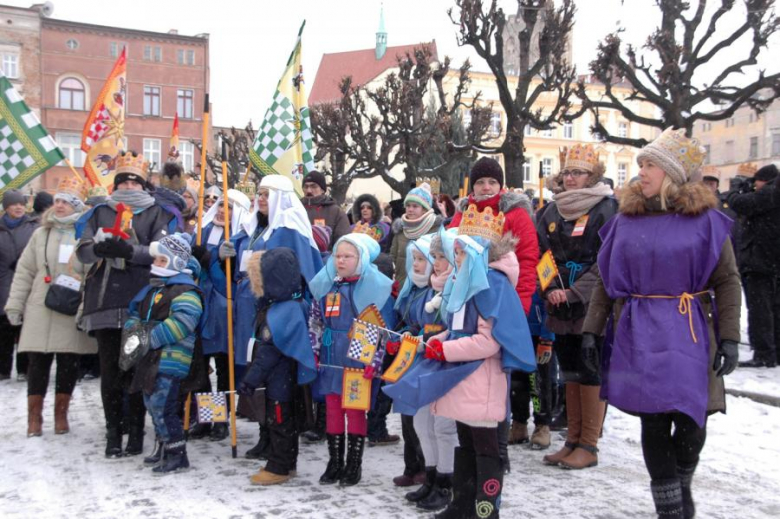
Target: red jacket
x,y
516,208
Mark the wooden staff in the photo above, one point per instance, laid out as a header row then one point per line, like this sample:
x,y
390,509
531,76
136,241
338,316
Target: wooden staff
x,y
229,296
198,238
541,186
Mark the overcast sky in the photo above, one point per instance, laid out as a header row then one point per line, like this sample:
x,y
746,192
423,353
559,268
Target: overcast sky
x,y
250,40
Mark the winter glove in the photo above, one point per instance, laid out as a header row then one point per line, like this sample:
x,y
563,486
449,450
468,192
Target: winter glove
x,y
368,372
245,389
113,248
736,183
590,353
15,318
227,250
392,347
543,351
435,350
202,254
726,358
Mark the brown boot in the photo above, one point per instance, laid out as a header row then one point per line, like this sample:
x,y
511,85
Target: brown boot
x,y
61,405
586,453
34,415
518,434
574,419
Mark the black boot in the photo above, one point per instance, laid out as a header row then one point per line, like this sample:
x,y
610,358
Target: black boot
x,y
423,492
490,479
685,473
667,496
219,431
336,462
503,442
157,454
200,431
175,458
353,470
464,479
135,441
263,447
317,434
440,495
113,443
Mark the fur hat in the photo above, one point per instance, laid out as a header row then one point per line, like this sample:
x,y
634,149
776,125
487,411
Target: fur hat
x,y
679,156
173,177
376,210
767,173
420,195
175,248
486,167
13,197
316,177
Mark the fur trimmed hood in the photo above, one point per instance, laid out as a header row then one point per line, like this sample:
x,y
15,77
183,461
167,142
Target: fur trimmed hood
x,y
275,274
509,200
690,199
377,210
504,246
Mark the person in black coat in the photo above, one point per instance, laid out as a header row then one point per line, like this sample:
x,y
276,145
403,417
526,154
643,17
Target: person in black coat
x,y
757,202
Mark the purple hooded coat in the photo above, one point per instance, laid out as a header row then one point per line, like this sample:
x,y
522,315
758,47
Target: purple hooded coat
x,y
655,366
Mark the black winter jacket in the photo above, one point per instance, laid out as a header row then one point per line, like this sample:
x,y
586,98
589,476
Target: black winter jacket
x,y
759,237
12,244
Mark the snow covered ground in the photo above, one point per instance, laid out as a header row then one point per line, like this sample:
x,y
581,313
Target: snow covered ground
x,y
67,476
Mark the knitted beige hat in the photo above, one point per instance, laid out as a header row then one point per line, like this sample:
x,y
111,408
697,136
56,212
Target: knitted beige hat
x,y
679,156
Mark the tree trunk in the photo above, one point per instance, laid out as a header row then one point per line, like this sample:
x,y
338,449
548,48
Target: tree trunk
x,y
514,158
338,188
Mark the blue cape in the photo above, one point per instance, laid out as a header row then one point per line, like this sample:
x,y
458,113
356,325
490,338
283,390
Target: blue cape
x,y
287,321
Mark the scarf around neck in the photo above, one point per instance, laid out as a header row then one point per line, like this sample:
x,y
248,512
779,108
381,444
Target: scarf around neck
x,y
65,221
438,281
135,199
413,229
574,204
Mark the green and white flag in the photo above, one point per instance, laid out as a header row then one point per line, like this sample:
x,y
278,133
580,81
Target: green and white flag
x,y
26,148
284,141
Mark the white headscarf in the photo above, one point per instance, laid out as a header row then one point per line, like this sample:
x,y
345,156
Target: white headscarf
x,y
239,213
284,209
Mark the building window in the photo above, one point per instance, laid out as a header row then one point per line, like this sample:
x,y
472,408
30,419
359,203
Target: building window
x,y
152,153
729,122
11,66
547,133
495,124
623,130
705,127
527,170
187,151
184,100
152,101
622,173
706,153
752,117
547,165
753,148
185,57
527,130
72,44
70,144
568,130
466,118
152,53
71,95
115,48
729,155
775,144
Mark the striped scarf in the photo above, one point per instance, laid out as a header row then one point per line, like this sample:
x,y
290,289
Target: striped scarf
x,y
413,229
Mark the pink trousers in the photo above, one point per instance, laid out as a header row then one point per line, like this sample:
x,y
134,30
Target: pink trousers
x,y
357,423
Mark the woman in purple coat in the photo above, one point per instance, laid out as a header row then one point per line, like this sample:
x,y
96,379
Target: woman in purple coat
x,y
665,260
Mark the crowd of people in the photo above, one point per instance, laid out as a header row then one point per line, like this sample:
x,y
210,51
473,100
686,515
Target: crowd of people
x,y
642,315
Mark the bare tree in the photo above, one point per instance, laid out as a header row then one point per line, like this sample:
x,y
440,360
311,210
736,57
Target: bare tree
x,y
238,143
547,72
668,71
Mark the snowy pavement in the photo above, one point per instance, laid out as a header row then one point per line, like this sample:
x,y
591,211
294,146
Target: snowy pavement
x,y
67,476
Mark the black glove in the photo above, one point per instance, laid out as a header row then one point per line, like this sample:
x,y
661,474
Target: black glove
x,y
736,183
202,254
726,358
113,248
245,389
590,353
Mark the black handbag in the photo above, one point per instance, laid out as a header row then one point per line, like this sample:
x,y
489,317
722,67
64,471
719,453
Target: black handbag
x,y
59,298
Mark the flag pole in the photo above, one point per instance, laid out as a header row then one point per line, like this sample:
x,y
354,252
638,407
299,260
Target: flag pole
x,y
198,238
229,297
541,186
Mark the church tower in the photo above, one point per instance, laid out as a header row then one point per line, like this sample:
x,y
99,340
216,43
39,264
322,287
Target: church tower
x,y
381,35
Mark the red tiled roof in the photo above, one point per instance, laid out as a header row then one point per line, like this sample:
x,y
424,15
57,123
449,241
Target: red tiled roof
x,y
362,65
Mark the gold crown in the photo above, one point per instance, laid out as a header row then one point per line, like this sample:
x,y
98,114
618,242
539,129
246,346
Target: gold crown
x,y
747,169
73,185
130,163
484,224
582,157
248,188
97,191
366,228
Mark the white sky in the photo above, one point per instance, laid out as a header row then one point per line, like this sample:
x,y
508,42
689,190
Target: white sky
x,y
250,40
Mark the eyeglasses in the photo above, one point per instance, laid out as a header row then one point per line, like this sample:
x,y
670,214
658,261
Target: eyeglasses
x,y
574,174
344,257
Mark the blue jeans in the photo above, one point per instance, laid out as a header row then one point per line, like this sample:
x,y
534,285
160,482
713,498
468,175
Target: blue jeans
x,y
163,405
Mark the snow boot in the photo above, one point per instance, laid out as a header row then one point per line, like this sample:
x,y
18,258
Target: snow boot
x,y
200,431
667,496
174,459
135,441
519,433
336,462
157,454
34,415
540,439
440,494
423,492
353,470
463,487
263,447
685,473
490,478
574,420
219,431
61,405
113,443
585,454
267,478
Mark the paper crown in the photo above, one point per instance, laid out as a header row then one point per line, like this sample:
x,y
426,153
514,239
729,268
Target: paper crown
x,y
97,191
366,228
747,169
130,163
73,185
582,157
484,224
248,188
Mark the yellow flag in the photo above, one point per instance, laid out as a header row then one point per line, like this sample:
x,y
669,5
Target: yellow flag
x,y
546,269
